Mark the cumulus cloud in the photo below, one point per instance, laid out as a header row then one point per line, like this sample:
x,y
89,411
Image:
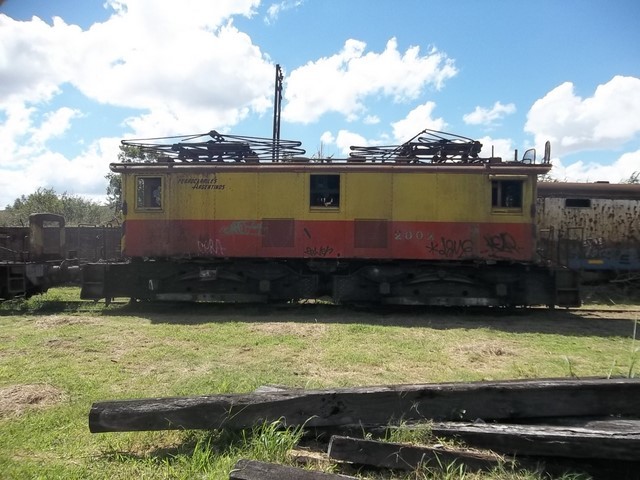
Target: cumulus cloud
x,y
147,55
32,59
489,116
175,66
340,83
83,175
607,119
346,139
582,171
499,147
55,124
417,120
402,131
371,120
180,62
275,9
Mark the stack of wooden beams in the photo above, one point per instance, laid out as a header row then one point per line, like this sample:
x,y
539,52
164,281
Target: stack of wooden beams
x,y
582,425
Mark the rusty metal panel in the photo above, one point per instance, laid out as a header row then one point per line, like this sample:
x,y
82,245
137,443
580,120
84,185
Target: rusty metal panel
x,y
601,233
626,191
613,220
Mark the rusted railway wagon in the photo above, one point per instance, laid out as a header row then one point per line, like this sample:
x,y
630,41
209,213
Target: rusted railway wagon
x,y
427,222
30,257
48,252
593,228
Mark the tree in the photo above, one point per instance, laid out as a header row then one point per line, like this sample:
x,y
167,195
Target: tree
x,y
114,192
76,210
128,153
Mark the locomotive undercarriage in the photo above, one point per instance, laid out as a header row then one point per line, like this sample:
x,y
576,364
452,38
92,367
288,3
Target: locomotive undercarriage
x,y
345,282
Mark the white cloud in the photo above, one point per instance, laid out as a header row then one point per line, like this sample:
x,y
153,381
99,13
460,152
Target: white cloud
x,y
403,130
12,131
607,119
177,66
148,55
82,175
346,139
34,59
340,83
581,171
55,124
327,138
371,120
275,9
500,147
417,120
489,116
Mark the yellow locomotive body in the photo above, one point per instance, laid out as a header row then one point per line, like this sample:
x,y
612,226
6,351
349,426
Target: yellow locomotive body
x,y
340,211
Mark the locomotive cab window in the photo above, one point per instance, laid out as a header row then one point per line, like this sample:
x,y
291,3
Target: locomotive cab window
x,y
149,192
506,194
324,191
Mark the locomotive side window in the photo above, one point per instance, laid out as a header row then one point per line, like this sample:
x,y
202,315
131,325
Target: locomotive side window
x,y
506,193
324,191
578,202
149,192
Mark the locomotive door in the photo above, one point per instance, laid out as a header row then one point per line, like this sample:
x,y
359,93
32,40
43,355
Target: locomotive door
x,y
368,210
46,237
571,248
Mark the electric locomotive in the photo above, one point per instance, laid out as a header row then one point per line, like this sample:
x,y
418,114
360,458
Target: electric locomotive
x,y
241,219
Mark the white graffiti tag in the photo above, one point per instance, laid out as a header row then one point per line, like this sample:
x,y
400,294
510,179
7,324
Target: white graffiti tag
x,y
211,247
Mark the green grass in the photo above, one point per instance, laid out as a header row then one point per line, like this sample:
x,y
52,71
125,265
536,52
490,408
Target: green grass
x,y
58,355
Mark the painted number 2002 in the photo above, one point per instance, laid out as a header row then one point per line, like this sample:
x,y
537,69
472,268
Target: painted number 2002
x,y
408,235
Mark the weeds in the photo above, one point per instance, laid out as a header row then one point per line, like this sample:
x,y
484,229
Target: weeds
x,y
415,434
270,442
570,372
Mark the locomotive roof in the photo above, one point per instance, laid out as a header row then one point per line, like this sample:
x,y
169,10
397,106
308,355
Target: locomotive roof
x,y
492,166
428,151
627,191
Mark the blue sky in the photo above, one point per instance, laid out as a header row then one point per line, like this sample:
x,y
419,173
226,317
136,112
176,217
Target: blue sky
x,y
77,77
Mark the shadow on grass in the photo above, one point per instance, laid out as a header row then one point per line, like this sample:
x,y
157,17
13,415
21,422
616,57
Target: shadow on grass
x,y
214,440
570,322
532,320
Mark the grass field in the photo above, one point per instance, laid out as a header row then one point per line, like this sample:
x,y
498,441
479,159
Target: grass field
x,y
59,355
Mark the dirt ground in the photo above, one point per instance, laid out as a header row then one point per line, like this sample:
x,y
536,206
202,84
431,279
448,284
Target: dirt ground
x,y
15,399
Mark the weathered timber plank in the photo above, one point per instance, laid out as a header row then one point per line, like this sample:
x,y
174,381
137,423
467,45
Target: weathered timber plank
x,y
406,457
254,470
545,440
606,424
507,400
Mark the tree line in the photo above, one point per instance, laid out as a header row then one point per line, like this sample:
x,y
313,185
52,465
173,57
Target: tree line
x,y
75,209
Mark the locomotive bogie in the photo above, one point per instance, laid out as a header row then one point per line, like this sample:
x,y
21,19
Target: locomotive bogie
x,y
399,283
221,281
